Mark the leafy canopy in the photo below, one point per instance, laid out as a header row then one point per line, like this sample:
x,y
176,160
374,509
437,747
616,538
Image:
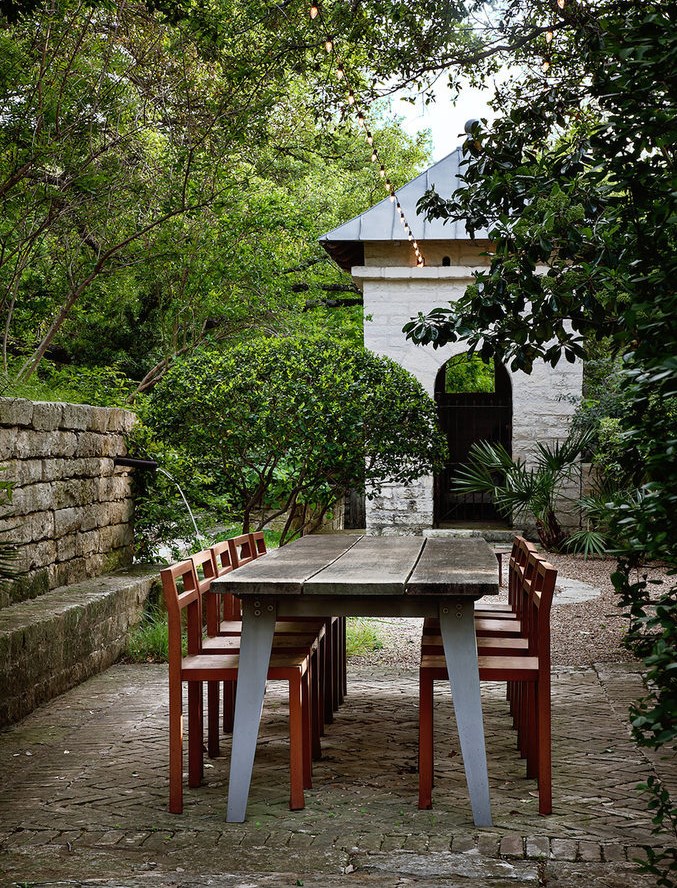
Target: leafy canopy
x,y
287,425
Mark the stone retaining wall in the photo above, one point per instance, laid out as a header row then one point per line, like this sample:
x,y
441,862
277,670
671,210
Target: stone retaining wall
x,y
71,509
51,643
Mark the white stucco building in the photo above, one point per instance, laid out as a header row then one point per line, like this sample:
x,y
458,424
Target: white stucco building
x,y
524,408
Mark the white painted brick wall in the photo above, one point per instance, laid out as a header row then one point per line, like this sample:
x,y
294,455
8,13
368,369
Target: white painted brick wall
x,y
542,400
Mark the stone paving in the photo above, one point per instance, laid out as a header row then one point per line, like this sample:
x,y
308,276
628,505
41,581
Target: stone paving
x,y
84,794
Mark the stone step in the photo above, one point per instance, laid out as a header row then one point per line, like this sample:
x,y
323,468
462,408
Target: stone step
x,y
51,643
502,536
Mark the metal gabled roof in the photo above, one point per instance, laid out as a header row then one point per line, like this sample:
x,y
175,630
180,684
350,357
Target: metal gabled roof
x,y
382,221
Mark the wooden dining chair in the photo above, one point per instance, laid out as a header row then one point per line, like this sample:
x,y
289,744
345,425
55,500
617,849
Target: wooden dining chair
x,y
496,619
526,670
333,634
223,637
327,630
184,616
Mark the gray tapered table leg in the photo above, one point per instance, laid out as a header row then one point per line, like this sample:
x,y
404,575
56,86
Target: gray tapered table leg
x,y
258,627
460,650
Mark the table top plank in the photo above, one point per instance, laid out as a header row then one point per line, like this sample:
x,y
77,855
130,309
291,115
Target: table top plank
x,y
284,571
374,566
454,567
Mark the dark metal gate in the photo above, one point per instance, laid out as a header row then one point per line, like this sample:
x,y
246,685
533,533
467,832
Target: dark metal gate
x,y
467,417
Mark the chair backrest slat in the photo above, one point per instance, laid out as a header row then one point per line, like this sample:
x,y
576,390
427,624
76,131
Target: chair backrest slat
x,y
205,571
221,555
258,546
182,594
538,588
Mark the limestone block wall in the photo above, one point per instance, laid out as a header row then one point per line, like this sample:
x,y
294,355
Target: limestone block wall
x,y
71,509
543,401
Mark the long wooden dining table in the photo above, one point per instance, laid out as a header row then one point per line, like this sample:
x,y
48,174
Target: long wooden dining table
x,y
359,575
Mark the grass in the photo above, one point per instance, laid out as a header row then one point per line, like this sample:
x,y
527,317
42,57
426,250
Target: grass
x,y
148,642
362,636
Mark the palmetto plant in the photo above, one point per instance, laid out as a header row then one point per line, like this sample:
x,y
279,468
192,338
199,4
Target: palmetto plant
x,y
518,489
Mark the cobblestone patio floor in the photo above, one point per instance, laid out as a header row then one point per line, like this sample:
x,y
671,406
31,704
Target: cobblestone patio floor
x,y
84,794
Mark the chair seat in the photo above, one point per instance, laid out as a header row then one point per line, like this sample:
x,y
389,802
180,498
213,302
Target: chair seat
x,y
282,626
432,644
492,668
490,626
224,644
215,667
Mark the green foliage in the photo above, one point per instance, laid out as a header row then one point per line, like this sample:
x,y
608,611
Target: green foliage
x,y
663,862
149,642
468,373
362,636
287,425
575,181
165,171
519,489
102,386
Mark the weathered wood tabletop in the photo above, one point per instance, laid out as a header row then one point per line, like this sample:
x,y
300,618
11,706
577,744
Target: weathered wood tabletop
x,y
355,565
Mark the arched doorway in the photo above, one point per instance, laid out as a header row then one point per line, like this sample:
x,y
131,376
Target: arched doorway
x,y
474,403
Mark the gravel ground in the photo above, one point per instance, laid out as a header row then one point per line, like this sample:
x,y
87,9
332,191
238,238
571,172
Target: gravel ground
x,y
583,632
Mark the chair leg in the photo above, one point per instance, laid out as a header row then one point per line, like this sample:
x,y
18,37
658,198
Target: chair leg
x,y
195,739
543,715
175,749
307,724
229,690
213,728
330,653
296,744
343,671
425,740
315,704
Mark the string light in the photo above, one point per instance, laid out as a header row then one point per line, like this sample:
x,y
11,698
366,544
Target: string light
x,y
329,45
548,36
561,3
546,65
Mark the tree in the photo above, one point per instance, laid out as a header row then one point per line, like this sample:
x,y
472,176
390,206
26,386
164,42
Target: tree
x,y
576,183
287,425
164,175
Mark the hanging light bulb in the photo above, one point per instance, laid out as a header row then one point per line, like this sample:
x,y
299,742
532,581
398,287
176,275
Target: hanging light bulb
x,y
382,172
374,156
546,65
329,44
351,97
548,36
392,197
340,71
387,184
314,10
360,118
561,3
370,138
